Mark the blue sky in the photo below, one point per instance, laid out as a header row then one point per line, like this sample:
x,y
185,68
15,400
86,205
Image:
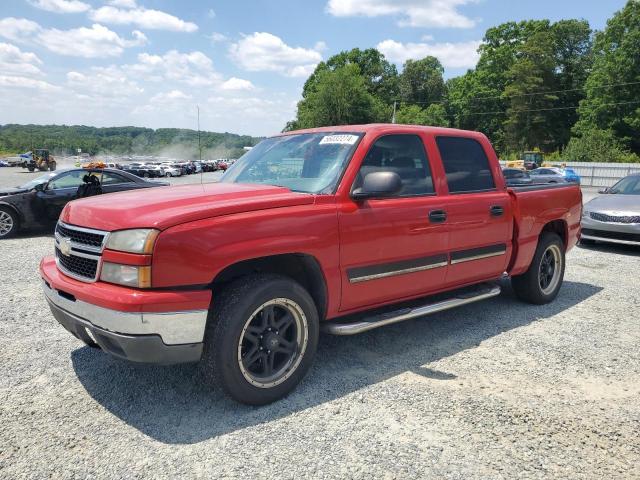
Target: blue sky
x,y
150,62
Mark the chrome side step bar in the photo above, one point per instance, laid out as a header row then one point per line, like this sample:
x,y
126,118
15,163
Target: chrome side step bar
x,y
380,320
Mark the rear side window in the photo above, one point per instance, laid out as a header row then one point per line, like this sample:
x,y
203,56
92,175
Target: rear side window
x,y
404,155
465,164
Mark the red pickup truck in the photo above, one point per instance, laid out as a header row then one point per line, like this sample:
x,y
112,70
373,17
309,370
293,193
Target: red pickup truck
x,y
342,229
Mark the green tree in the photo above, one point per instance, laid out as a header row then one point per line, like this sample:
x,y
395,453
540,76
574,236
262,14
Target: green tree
x,y
421,81
380,76
434,115
616,62
530,77
339,97
598,146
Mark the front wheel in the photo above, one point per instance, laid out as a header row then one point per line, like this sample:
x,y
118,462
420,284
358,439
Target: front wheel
x,y
8,223
168,175
261,337
542,281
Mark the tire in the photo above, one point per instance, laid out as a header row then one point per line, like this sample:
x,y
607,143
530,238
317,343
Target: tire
x,y
147,175
9,223
168,175
52,166
236,329
541,283
31,169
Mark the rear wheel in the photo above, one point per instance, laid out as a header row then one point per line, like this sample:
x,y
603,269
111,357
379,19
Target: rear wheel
x,y
8,222
52,166
168,175
261,338
542,281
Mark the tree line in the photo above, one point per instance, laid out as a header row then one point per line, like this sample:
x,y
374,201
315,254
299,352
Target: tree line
x,y
66,140
558,87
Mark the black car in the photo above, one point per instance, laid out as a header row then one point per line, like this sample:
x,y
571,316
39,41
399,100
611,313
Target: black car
x,y
515,176
38,203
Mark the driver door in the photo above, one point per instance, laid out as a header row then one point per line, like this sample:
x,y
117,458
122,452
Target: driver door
x,y
394,248
60,191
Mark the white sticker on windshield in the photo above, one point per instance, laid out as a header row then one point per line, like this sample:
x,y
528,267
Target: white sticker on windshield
x,y
339,139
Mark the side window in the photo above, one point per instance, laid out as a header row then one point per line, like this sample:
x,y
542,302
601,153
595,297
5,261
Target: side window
x,y
67,180
465,164
403,154
109,178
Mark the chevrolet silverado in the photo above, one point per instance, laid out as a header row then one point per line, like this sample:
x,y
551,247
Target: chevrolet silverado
x,y
341,229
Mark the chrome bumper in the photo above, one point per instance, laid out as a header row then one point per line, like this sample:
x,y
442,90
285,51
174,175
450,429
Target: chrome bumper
x,y
174,328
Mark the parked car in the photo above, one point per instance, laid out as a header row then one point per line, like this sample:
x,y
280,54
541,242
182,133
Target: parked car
x,y
515,176
4,163
547,175
614,216
570,175
144,171
171,170
309,229
38,202
222,165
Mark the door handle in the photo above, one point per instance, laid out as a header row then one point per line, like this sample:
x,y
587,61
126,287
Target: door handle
x,y
437,216
496,211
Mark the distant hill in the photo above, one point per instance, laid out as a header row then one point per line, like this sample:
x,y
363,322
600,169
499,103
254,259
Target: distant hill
x,y
172,142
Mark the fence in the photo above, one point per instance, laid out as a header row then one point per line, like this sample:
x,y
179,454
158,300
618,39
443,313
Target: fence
x,y
593,174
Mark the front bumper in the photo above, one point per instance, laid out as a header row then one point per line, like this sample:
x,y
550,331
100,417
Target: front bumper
x,y
166,337
620,233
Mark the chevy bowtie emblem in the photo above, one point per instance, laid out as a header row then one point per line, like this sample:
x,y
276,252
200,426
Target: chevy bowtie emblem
x,y
65,246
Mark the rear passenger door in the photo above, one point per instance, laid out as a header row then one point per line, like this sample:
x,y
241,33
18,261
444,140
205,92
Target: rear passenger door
x,y
396,247
479,215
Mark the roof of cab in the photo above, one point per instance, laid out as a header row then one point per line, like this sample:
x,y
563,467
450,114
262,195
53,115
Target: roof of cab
x,y
388,127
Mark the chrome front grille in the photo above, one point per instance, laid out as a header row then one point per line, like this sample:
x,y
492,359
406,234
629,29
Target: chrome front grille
x,y
79,251
601,217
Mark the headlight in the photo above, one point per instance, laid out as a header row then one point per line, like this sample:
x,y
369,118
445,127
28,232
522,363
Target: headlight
x,y
129,275
133,241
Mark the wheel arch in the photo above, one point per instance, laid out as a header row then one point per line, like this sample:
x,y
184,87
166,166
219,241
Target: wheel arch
x,y
14,209
303,268
559,227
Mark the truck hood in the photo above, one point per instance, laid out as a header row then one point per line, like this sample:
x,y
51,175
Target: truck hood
x,y
614,204
162,208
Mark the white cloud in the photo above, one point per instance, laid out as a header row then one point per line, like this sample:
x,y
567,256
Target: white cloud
x,y
451,55
103,82
174,96
237,84
263,51
211,13
193,68
14,61
123,3
26,82
95,42
412,13
61,6
143,18
216,37
17,29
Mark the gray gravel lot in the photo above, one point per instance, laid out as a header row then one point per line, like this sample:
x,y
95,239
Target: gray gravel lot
x,y
498,389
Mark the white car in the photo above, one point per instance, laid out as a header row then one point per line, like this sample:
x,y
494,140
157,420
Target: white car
x,y
171,171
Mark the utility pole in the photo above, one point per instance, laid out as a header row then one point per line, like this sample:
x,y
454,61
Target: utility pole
x,y
199,146
393,117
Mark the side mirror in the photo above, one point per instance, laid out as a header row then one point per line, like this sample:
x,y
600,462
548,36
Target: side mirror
x,y
40,187
378,185
604,190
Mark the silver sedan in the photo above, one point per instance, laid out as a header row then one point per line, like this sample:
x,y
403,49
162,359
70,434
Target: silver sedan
x,y
547,175
614,216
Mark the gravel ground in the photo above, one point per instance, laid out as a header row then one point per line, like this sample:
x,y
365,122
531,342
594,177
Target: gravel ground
x,y
493,390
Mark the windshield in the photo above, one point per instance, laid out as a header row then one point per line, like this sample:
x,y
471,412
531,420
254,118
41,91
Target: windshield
x,y
305,162
627,186
37,181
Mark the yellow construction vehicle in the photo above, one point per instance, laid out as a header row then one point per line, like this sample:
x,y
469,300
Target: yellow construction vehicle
x,y
39,159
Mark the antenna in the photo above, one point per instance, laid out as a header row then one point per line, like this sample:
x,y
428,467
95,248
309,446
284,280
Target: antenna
x,y
393,117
